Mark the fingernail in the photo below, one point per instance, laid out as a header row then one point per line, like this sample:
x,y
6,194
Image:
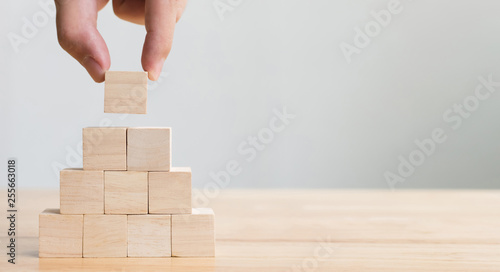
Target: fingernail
x,y
155,73
93,68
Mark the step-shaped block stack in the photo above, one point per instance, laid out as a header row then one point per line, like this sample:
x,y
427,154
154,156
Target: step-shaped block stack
x,y
126,201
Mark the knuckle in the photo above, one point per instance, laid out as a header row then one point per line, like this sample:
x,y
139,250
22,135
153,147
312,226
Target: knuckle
x,y
72,40
118,9
65,39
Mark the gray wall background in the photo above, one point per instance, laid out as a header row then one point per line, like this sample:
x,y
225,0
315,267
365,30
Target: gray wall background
x,y
226,76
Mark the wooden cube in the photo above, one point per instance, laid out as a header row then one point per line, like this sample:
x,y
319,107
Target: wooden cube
x,y
149,236
193,235
125,192
105,148
82,192
148,149
126,92
60,235
170,192
104,236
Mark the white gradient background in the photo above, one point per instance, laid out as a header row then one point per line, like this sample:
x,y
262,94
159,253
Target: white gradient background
x,y
224,78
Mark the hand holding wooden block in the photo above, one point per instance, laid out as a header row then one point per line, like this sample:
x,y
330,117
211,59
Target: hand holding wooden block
x,y
148,149
60,235
170,192
193,235
126,92
105,148
125,192
105,236
82,192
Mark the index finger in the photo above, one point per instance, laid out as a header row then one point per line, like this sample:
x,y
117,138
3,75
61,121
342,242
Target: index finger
x,y
161,16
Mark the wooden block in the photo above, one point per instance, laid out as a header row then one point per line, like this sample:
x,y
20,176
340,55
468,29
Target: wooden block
x,y
105,148
60,235
193,235
126,92
125,192
104,236
149,236
148,149
170,192
82,192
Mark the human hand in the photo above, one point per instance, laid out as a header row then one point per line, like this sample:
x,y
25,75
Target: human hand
x,y
77,31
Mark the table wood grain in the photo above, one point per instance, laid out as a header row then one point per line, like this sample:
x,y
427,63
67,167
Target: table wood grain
x,y
309,230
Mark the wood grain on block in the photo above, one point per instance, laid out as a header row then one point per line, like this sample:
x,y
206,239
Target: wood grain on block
x,y
126,92
170,192
82,192
148,149
104,236
125,192
149,235
105,148
193,235
60,235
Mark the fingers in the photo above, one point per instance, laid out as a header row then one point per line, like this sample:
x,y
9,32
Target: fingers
x,y
130,10
77,34
101,4
160,19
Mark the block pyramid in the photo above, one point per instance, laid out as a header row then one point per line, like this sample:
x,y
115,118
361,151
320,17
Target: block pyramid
x,y
127,201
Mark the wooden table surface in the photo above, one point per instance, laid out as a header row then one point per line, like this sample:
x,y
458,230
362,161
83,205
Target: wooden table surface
x,y
310,230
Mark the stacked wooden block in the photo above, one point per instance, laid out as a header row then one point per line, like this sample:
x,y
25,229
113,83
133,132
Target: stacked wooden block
x,y
126,201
